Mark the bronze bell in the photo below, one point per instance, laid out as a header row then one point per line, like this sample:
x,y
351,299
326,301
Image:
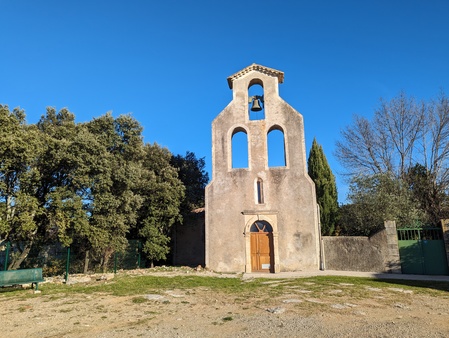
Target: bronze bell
x,y
256,105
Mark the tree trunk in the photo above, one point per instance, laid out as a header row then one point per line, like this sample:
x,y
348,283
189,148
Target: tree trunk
x,y
86,262
9,208
106,256
16,262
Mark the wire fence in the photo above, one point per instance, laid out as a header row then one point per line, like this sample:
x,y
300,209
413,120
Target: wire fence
x,y
56,259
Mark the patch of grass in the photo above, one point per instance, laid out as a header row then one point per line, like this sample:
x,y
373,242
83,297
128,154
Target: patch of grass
x,y
150,313
24,308
139,300
144,320
240,300
52,298
100,307
16,292
65,310
227,319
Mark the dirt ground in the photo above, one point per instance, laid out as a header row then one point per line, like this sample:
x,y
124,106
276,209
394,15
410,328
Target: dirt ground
x,y
200,312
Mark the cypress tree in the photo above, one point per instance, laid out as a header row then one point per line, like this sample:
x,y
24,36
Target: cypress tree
x,y
326,188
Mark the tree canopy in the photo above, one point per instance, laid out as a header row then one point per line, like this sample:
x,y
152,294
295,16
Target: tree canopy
x,y
94,185
407,141
326,188
191,171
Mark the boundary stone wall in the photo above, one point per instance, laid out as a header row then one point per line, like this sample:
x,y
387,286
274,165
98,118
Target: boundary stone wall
x,y
377,253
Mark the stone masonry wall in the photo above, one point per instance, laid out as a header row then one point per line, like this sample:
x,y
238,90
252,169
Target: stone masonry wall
x,y
378,253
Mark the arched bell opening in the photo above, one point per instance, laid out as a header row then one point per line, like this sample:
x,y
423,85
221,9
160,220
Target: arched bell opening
x,y
239,149
277,155
256,102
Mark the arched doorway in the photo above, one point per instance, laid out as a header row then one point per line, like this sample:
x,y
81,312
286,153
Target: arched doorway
x,y
262,247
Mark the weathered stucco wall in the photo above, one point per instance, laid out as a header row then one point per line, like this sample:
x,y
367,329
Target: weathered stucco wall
x,y
378,253
289,193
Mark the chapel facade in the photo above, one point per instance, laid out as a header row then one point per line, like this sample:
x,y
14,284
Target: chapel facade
x,y
260,217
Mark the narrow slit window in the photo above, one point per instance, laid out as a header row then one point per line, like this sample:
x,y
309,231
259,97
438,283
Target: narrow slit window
x,y
259,191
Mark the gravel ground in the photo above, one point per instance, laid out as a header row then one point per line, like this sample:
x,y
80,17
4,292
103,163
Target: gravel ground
x,y
200,312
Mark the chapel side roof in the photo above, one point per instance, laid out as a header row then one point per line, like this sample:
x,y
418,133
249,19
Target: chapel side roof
x,y
258,68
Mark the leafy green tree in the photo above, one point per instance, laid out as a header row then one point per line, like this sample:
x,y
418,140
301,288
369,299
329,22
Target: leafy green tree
x,y
90,184
192,172
20,146
162,192
431,199
113,204
61,187
156,243
326,188
375,199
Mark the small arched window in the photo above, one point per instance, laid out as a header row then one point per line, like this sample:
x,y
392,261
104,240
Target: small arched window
x,y
239,149
276,147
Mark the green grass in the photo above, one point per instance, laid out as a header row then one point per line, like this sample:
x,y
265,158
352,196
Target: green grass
x,y
128,285
65,310
23,308
125,285
139,300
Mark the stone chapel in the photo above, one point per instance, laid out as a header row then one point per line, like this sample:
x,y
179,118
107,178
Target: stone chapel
x,y
260,218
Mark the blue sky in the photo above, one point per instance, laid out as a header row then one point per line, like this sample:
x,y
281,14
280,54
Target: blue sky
x,y
166,62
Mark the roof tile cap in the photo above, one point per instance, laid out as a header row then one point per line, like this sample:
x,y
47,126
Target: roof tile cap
x,y
257,68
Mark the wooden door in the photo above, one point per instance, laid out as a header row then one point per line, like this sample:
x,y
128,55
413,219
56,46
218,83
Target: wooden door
x,y
261,253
